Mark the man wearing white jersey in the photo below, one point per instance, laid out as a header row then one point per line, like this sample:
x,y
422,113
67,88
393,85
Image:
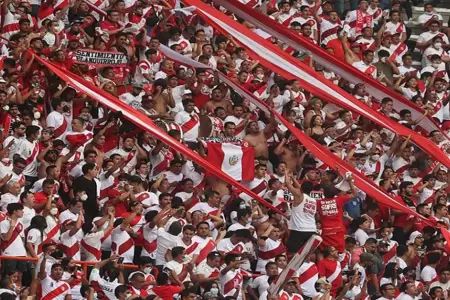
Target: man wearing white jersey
x,y
111,279
52,287
302,223
189,121
236,118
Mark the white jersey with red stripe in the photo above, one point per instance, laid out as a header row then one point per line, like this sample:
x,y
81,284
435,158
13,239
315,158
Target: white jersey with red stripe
x,y
328,31
150,245
424,37
369,70
376,13
52,289
190,250
239,132
15,245
400,165
357,21
130,158
179,269
29,151
102,286
11,24
257,185
267,253
53,222
307,276
394,28
190,125
91,246
122,244
71,244
147,198
207,271
160,162
429,274
231,282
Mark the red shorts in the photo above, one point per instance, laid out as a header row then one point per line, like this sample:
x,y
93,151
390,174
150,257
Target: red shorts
x,y
335,239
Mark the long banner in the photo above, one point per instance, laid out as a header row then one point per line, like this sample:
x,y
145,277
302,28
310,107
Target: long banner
x,y
322,153
288,67
346,71
140,120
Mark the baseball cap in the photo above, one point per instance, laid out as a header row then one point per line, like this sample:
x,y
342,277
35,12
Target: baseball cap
x,y
2,80
366,256
138,85
355,45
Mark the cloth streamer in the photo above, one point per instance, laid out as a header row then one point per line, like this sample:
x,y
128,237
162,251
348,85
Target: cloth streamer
x,y
346,71
296,262
287,66
319,151
140,120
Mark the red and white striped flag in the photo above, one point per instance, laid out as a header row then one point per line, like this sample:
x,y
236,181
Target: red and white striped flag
x,y
235,160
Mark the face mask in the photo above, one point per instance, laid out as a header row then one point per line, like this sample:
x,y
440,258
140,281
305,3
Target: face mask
x,y
249,221
435,65
14,286
148,270
390,235
76,210
383,59
348,294
260,76
37,115
242,206
438,46
53,211
83,197
6,108
375,157
128,296
214,291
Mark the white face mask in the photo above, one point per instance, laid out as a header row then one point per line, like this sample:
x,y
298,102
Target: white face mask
x,y
242,206
383,59
435,65
6,108
390,235
214,291
438,45
83,197
37,115
260,76
148,270
375,157
53,211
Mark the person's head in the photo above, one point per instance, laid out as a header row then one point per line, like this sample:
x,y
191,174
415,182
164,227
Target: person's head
x,y
89,170
409,288
368,56
444,275
350,243
434,26
15,210
176,166
406,188
271,268
213,259
122,292
32,132
387,290
137,280
113,16
371,245
189,293
188,232
330,252
57,271
178,253
212,197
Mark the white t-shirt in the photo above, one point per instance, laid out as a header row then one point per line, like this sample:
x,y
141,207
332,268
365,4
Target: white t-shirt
x,y
361,236
165,241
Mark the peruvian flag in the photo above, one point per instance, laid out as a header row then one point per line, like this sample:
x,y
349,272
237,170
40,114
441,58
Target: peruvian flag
x,y
235,160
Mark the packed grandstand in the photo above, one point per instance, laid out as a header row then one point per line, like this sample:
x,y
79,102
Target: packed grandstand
x,y
224,149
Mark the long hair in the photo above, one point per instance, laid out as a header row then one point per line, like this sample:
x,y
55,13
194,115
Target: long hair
x,y
40,223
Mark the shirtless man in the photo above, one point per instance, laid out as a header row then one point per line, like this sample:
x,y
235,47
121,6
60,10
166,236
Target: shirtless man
x,y
162,100
290,153
216,101
258,139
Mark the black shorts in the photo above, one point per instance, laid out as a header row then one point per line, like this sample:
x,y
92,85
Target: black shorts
x,y
297,239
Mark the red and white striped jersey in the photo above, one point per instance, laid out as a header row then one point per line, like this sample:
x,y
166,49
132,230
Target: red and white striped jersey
x,y
307,276
52,289
231,282
14,246
122,244
71,244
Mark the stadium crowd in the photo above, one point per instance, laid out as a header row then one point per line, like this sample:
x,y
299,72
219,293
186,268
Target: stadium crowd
x,y
80,183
